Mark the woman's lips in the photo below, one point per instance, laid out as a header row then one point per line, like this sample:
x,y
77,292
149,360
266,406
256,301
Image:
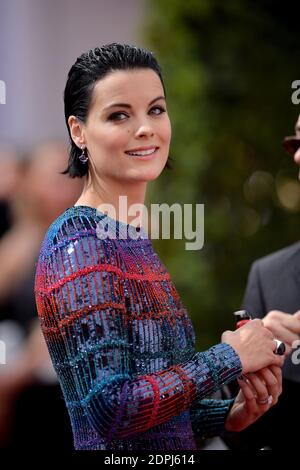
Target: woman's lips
x,y
144,153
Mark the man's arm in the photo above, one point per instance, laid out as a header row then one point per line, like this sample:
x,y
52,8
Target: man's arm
x,y
253,300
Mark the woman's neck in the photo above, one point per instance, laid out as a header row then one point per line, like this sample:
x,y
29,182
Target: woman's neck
x,y
116,199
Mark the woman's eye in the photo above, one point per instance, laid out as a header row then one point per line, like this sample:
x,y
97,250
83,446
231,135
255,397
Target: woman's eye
x,y
159,108
117,116
121,116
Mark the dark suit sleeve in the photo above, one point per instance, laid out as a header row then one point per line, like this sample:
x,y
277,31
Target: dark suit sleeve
x,y
253,437
253,300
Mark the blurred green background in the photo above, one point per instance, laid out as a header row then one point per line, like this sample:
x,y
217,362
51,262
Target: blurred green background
x,y
228,69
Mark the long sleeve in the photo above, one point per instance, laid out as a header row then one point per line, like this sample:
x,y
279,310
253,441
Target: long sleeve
x,y
253,300
208,416
84,314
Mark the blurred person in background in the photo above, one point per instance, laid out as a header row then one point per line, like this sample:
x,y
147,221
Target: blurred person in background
x,y
9,175
27,380
273,294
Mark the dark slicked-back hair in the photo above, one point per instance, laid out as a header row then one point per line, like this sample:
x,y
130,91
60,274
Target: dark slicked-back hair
x,y
88,69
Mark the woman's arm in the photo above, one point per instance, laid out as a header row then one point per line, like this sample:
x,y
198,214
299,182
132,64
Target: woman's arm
x,y
208,416
258,392
83,317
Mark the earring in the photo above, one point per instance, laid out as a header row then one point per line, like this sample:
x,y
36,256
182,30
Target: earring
x,y
83,157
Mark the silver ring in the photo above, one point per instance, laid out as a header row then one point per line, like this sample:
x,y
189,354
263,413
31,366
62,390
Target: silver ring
x,y
267,400
280,347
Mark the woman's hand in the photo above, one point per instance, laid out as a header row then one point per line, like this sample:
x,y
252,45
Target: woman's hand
x,y
258,393
255,346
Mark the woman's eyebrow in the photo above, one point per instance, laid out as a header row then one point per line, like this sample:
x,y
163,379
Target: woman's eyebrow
x,y
126,105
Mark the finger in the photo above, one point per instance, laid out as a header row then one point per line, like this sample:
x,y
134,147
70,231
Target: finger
x,y
277,360
270,375
279,348
253,407
286,336
278,374
248,390
249,396
288,349
292,323
273,324
276,371
282,323
249,387
259,386
271,382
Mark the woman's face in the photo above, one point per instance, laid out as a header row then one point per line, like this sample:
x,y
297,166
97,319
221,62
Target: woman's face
x,y
128,116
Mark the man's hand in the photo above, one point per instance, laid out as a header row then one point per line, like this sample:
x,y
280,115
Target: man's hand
x,y
284,326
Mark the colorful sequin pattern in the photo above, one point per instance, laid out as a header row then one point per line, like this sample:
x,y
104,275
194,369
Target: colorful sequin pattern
x,y
121,341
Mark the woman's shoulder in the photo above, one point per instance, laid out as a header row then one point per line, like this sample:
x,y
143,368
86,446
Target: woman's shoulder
x,y
87,225
72,224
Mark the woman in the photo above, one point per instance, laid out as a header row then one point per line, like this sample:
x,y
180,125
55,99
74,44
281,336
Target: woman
x,y
120,339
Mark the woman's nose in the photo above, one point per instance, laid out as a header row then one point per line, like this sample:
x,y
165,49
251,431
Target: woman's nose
x,y
144,130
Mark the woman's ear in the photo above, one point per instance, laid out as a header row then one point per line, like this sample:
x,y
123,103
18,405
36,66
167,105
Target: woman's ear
x,y
76,131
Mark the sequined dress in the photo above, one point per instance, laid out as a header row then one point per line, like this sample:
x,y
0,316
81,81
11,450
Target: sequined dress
x,y
121,341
